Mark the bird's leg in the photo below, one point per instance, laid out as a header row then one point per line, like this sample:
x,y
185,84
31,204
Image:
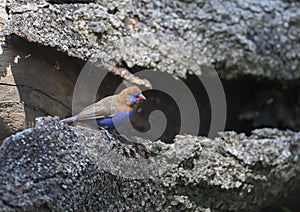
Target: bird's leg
x,y
110,134
107,133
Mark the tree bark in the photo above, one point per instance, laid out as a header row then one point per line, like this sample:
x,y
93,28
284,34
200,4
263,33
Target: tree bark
x,y
259,38
56,167
52,166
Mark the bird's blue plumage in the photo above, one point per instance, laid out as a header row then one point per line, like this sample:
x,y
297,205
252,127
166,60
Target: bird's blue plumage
x,y
121,118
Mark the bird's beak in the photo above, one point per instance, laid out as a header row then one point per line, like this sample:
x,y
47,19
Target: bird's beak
x,y
141,97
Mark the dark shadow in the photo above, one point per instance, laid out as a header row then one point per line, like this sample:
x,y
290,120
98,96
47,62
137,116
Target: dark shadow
x,y
251,104
254,103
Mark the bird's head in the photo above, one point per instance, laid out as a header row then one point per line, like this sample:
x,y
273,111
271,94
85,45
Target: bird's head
x,y
131,96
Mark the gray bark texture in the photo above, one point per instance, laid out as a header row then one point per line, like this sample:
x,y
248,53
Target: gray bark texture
x,y
56,167
244,37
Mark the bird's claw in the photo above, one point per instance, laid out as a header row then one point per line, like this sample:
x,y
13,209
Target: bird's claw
x,y
107,133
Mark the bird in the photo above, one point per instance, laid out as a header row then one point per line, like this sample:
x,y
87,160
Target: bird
x,y
111,111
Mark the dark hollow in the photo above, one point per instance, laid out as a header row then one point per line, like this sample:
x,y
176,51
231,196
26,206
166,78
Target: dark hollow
x,y
251,102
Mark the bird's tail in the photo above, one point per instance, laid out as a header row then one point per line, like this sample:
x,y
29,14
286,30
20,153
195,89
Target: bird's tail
x,y
69,120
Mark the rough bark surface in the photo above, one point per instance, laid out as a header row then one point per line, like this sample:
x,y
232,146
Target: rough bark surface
x,y
259,38
57,167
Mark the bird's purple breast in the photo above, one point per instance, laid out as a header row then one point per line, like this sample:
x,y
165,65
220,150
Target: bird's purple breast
x,y
120,119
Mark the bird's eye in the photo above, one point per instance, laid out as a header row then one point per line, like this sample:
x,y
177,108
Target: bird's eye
x,y
136,95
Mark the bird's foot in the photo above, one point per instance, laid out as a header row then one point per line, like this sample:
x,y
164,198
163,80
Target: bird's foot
x,y
121,137
108,134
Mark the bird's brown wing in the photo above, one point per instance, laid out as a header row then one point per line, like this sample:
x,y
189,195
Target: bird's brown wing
x,y
104,108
